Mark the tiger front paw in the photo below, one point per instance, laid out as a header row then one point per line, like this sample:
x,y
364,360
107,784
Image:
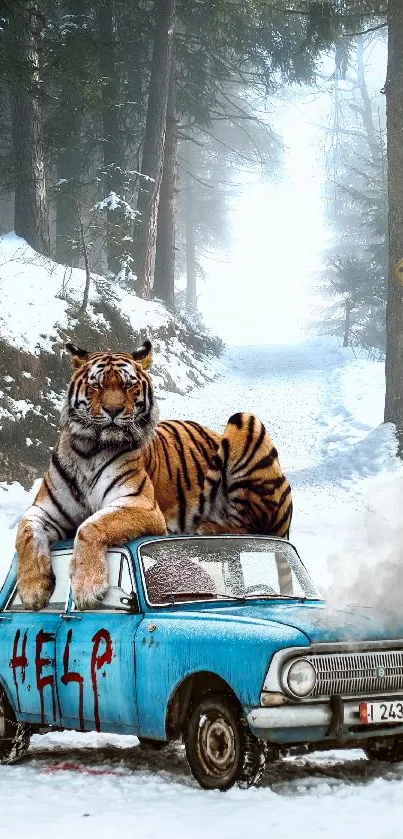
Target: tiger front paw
x,y
209,528
88,569
89,589
36,589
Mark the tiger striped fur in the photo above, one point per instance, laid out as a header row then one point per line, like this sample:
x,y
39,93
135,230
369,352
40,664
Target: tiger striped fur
x,y
116,474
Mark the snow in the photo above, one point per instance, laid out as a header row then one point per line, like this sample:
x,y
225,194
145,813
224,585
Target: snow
x,y
323,407
116,202
31,308
111,784
30,284
39,298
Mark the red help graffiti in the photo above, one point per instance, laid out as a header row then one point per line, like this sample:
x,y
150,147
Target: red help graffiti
x,y
44,645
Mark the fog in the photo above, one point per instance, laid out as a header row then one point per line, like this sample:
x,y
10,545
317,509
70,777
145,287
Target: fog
x,y
267,287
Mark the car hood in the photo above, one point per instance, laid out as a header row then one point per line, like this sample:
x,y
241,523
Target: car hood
x,y
318,622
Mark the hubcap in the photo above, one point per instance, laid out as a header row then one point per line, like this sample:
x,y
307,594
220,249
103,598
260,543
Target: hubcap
x,y
216,745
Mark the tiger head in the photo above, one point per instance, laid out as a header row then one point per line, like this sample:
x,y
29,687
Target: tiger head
x,y
110,398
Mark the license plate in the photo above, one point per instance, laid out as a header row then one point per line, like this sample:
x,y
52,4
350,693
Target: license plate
x,y
386,712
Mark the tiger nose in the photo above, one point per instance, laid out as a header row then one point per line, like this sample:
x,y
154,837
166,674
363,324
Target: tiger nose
x,y
113,412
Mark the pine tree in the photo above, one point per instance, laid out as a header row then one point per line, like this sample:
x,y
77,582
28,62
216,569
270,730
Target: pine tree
x,y
22,35
72,53
357,199
154,145
394,314
164,275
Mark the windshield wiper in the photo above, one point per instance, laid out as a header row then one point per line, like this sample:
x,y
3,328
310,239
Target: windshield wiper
x,y
299,597
177,598
244,597
241,597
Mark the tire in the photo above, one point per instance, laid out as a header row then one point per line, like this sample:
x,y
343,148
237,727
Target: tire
x,y
14,736
390,750
220,748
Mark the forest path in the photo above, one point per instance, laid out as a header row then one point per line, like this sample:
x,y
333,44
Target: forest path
x,y
302,393
284,385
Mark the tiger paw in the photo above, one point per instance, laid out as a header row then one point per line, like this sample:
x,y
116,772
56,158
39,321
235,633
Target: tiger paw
x,y
36,590
209,528
88,592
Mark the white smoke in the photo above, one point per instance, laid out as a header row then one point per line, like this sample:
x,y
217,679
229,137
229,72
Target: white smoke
x,y
368,569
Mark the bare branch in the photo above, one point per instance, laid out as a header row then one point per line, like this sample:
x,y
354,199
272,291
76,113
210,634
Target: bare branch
x,y
84,304
365,31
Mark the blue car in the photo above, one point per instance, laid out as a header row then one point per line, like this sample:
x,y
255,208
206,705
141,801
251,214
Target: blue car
x,y
220,640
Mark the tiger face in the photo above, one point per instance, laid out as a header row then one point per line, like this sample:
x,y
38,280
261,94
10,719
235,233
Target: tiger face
x,y
110,396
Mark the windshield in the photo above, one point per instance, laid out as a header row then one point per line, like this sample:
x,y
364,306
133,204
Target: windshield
x,y
220,568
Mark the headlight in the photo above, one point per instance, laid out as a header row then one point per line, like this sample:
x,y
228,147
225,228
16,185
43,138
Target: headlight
x,y
300,678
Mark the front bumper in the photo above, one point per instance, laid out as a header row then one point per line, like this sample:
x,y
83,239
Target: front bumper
x,y
337,720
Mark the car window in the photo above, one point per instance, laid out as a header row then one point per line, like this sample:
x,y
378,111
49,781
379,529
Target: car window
x,y
120,584
269,570
60,564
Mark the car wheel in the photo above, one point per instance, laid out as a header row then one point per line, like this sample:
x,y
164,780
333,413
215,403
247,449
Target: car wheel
x,y
390,750
14,736
220,748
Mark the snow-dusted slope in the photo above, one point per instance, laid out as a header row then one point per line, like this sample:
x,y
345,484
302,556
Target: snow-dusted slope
x,y
40,300
41,308
323,408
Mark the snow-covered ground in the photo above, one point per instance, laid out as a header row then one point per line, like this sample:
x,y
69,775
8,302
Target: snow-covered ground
x,y
39,304
323,408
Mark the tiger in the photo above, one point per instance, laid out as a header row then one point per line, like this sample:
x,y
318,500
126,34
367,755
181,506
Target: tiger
x,y
116,473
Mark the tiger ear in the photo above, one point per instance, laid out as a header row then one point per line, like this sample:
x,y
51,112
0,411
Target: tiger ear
x,y
79,356
143,355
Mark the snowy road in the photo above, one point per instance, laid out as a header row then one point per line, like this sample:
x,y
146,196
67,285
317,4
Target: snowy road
x,y
323,408
120,790
317,401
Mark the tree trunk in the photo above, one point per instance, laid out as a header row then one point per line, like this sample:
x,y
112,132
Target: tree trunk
x,y
69,157
366,111
347,325
113,151
135,57
191,294
67,248
164,276
394,312
153,152
31,219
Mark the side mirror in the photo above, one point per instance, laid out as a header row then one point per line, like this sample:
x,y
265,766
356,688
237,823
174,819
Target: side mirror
x,y
130,603
117,599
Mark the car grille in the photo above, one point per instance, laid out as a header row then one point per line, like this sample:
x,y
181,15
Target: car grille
x,y
348,674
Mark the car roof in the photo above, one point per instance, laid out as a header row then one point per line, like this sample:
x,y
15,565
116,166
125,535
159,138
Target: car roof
x,y
133,544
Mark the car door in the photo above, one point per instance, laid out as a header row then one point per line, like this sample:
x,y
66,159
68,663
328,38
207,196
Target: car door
x,y
28,649
96,681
